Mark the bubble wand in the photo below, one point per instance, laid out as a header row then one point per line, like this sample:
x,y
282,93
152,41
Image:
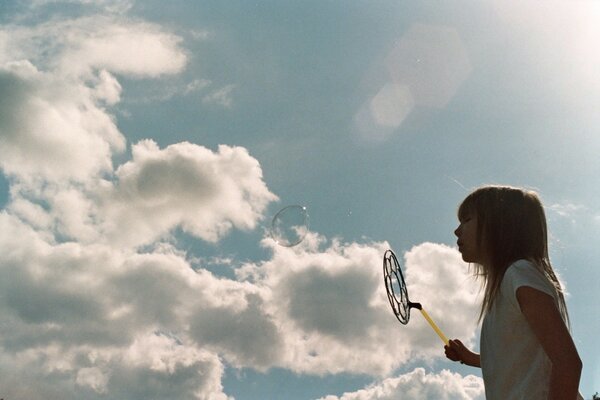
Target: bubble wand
x,y
398,294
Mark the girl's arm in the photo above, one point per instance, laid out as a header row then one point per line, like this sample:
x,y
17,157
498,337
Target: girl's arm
x,y
545,321
457,351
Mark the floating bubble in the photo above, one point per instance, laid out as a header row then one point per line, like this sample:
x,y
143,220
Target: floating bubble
x,y
290,225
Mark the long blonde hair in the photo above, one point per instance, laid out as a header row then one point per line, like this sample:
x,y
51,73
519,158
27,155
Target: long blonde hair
x,y
511,225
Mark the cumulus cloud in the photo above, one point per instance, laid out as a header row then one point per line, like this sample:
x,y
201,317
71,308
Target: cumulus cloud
x,y
157,367
206,193
115,320
439,279
101,318
138,49
107,88
57,78
246,337
78,47
152,367
56,129
86,315
418,385
52,129
331,306
97,304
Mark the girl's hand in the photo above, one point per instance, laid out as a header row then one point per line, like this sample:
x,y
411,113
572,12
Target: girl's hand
x,y
457,351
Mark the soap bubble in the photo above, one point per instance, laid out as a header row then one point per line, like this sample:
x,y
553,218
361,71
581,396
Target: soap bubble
x,y
290,225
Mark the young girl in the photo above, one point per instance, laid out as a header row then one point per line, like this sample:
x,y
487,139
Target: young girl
x,y
527,352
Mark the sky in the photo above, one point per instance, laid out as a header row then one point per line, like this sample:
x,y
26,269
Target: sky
x,y
146,146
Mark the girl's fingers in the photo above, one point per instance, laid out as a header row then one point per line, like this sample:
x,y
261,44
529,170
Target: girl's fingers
x,y
451,354
457,345
455,350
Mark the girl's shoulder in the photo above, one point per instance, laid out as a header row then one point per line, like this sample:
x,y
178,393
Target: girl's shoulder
x,y
522,265
526,273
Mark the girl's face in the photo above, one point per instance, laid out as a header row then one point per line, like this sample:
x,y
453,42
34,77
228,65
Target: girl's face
x,y
467,240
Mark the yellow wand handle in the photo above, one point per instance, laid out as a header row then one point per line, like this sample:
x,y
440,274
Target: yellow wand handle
x,y
434,326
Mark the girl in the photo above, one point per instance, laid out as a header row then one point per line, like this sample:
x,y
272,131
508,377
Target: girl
x,y
527,352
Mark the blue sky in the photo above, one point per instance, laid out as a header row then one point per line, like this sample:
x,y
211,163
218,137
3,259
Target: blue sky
x,y
144,149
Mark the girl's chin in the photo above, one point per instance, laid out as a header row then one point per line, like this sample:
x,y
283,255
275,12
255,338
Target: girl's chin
x,y
466,258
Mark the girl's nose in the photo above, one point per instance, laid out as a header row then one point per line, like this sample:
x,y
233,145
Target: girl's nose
x,y
457,232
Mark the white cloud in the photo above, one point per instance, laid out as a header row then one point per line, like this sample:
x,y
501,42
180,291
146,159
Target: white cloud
x,y
93,315
221,97
52,128
334,314
246,337
115,321
439,280
157,367
153,366
107,88
78,47
206,193
59,78
56,130
86,314
87,318
418,385
139,49
33,214
93,377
